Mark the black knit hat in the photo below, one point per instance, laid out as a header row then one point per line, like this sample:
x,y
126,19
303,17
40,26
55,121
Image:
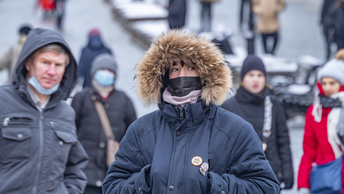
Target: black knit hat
x,y
252,63
25,29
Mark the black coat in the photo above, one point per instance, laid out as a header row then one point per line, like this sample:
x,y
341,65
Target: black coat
x,y
163,143
176,13
94,48
39,150
339,26
121,114
251,108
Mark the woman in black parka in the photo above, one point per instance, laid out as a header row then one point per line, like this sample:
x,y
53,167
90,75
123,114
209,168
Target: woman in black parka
x,y
189,145
254,103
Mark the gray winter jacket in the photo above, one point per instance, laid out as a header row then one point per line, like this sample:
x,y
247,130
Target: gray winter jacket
x,y
39,150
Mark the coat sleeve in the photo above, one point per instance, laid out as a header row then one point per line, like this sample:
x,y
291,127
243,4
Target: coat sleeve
x,y
128,173
284,152
76,105
309,152
130,116
81,67
6,60
74,177
249,171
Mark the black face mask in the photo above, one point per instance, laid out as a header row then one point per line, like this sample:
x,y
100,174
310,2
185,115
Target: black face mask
x,y
182,86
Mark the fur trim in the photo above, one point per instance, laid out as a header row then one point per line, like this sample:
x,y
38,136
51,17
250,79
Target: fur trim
x,y
176,46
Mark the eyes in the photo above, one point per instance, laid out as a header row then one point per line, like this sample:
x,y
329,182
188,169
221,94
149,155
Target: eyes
x,y
253,75
188,68
48,63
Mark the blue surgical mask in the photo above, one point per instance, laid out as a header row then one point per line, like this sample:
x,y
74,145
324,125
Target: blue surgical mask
x,y
104,77
39,88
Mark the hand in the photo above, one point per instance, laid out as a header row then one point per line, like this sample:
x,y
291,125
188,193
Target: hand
x,y
304,191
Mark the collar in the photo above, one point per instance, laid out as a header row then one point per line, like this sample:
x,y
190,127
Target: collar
x,y
195,113
245,96
35,99
183,100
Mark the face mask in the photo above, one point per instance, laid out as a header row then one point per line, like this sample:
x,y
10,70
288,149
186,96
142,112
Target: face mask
x,y
39,88
104,77
182,86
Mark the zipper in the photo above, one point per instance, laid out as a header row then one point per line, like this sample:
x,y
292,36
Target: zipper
x,y
40,152
181,113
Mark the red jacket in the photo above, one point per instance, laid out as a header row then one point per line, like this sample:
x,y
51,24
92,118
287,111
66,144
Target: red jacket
x,y
316,145
47,5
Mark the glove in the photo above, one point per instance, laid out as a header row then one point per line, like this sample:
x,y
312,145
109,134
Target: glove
x,y
304,191
288,183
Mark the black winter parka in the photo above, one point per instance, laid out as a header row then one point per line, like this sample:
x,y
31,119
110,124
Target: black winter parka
x,y
161,145
251,108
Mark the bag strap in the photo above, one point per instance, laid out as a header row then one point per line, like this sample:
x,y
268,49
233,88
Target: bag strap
x,y
104,119
267,121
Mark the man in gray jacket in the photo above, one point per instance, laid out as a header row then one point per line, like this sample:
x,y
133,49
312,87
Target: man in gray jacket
x,y
39,150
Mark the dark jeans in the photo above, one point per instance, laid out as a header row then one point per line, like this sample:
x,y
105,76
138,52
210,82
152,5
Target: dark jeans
x,y
206,16
265,38
93,190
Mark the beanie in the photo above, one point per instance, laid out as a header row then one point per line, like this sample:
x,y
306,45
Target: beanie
x,y
252,63
94,32
104,61
333,69
24,30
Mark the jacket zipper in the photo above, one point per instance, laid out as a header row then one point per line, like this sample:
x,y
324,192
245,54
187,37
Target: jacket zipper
x,y
181,113
40,152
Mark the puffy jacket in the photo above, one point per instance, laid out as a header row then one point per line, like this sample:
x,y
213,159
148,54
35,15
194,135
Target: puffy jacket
x,y
157,154
40,153
166,141
251,108
121,114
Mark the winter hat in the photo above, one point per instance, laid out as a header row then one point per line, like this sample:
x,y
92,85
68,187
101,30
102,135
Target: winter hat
x,y
104,61
94,32
25,29
334,69
252,63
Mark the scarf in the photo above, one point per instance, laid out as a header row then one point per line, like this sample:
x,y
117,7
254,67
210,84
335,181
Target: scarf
x,y
335,121
183,100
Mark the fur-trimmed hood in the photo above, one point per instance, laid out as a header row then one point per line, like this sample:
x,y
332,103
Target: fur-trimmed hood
x,y
176,46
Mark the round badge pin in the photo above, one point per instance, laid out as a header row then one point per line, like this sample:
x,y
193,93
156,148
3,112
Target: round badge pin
x,y
196,161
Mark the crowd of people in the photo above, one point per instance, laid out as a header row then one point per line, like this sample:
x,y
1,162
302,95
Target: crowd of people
x,y
198,141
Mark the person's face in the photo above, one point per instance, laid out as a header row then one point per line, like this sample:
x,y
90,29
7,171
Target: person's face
x,y
181,70
330,86
254,81
48,68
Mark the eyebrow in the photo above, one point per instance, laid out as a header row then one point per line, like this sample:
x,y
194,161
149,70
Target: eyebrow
x,y
58,62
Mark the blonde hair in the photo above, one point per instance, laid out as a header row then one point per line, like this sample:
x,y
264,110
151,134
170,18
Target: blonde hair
x,y
53,48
